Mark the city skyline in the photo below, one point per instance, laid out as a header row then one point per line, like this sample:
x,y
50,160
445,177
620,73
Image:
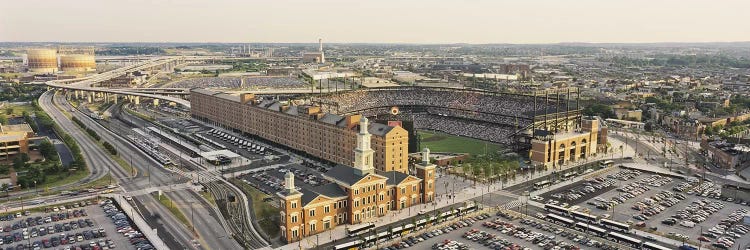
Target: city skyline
x,y
418,22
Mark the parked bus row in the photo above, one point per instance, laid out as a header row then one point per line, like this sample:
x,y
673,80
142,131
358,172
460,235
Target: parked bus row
x,y
588,218
365,231
591,224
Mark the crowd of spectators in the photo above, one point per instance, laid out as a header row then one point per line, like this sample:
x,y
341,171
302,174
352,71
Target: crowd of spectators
x,y
236,82
500,104
464,127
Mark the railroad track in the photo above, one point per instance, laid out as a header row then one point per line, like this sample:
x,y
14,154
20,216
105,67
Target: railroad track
x,y
240,223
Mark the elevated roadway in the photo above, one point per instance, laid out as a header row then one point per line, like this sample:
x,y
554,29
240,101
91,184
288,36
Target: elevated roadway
x,y
172,95
86,84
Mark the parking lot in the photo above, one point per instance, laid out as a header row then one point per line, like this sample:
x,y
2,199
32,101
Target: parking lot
x,y
500,231
271,180
686,210
81,225
258,153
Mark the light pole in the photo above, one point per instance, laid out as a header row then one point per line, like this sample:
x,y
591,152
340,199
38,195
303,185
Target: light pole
x,y
525,201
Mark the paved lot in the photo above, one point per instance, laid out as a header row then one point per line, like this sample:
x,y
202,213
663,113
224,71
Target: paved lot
x,y
63,228
625,212
271,180
269,156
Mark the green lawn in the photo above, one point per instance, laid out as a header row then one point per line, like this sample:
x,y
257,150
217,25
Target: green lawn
x,y
440,142
17,109
172,207
62,178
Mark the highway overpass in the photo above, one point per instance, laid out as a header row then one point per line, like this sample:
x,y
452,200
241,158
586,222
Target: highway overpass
x,y
85,85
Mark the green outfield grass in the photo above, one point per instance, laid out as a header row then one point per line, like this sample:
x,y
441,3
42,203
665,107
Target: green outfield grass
x,y
440,142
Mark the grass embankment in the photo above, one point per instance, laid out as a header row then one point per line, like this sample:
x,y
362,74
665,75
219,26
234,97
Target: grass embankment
x,y
209,197
17,110
101,182
173,208
62,178
124,165
440,142
102,144
266,215
139,115
98,183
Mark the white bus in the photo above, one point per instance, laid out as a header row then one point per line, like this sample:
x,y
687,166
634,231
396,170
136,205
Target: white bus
x,y
359,229
542,184
569,175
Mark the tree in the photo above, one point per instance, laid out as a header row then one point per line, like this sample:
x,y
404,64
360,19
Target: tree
x,y
24,157
649,127
476,169
601,110
497,168
466,169
48,151
3,119
487,170
18,163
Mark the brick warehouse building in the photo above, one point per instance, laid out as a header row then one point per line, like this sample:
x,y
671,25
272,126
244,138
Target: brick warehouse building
x,y
357,194
303,128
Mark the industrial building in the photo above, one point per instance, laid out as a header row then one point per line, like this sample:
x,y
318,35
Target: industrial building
x,y
77,63
303,128
73,60
42,60
316,56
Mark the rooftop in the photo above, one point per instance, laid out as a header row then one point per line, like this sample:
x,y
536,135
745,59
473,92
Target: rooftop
x,y
16,128
343,174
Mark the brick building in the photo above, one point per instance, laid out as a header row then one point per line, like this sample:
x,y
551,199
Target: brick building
x,y
556,149
727,155
357,194
302,128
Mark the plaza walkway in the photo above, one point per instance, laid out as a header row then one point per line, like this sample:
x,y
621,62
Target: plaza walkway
x,y
467,192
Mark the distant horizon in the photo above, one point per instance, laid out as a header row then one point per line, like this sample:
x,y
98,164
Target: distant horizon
x,y
386,43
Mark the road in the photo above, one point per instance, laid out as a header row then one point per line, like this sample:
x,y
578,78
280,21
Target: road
x,y
239,212
157,175
86,82
101,163
673,163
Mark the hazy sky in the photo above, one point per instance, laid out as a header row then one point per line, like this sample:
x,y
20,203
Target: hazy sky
x,y
388,21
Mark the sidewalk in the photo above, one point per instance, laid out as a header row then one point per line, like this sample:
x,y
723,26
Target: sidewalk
x,y
149,232
463,195
339,232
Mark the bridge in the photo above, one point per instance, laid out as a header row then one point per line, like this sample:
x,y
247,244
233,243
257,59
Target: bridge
x,y
84,86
